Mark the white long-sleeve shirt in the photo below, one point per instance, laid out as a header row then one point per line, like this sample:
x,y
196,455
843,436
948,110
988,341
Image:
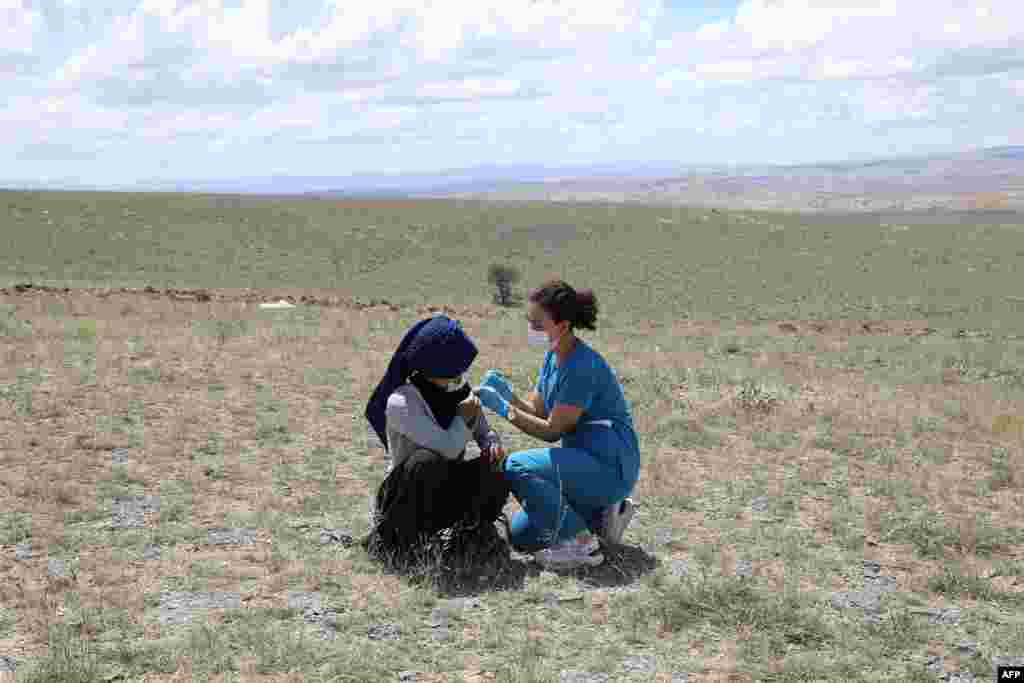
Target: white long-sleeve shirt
x,y
411,425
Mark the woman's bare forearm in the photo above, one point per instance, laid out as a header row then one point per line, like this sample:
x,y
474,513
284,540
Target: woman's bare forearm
x,y
536,427
522,406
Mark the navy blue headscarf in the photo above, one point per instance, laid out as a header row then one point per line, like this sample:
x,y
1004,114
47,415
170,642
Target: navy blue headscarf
x,y
434,347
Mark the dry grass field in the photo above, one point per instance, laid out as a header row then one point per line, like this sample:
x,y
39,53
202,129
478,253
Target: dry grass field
x,y
823,498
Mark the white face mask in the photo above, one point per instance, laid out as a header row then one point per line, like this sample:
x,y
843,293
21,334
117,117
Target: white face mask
x,y
455,384
540,338
536,337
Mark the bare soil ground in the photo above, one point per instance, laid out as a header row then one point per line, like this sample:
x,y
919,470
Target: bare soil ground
x,y
150,363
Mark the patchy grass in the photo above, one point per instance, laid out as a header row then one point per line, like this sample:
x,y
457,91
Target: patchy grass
x,y
797,441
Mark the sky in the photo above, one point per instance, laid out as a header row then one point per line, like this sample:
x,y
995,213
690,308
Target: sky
x,y
121,92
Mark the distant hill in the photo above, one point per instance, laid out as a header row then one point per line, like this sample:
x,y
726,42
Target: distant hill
x,y
990,178
981,179
478,178
1006,152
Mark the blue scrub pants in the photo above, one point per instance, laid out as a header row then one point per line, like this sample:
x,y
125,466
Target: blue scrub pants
x,y
563,490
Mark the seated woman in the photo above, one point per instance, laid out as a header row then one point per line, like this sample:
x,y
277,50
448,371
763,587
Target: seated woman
x,y
424,413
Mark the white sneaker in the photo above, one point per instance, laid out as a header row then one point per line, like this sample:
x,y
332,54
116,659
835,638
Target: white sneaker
x,y
582,551
615,520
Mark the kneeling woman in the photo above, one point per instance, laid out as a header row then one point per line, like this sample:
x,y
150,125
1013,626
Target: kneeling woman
x,y
425,413
572,492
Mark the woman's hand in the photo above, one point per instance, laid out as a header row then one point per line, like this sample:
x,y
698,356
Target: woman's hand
x,y
497,381
469,409
490,398
495,453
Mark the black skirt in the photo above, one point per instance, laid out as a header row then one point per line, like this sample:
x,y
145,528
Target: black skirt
x,y
427,494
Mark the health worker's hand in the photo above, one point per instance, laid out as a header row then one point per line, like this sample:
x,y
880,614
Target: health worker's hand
x,y
493,401
497,381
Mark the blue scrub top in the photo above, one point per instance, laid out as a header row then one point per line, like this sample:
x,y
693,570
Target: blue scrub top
x,y
588,382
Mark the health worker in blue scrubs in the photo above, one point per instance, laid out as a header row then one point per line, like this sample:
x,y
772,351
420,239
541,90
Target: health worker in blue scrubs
x,y
572,492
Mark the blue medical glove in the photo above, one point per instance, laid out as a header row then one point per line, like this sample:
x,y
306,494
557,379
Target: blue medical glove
x,y
495,380
491,399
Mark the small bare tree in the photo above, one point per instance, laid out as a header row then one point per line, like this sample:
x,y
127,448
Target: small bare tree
x,y
503,277
338,260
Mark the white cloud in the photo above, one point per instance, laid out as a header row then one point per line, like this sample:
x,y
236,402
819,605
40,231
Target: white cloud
x,y
786,25
528,76
433,29
473,88
206,38
189,122
891,101
19,25
303,112
349,25
844,68
57,118
366,93
713,32
20,109
841,40
808,66
312,118
729,70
